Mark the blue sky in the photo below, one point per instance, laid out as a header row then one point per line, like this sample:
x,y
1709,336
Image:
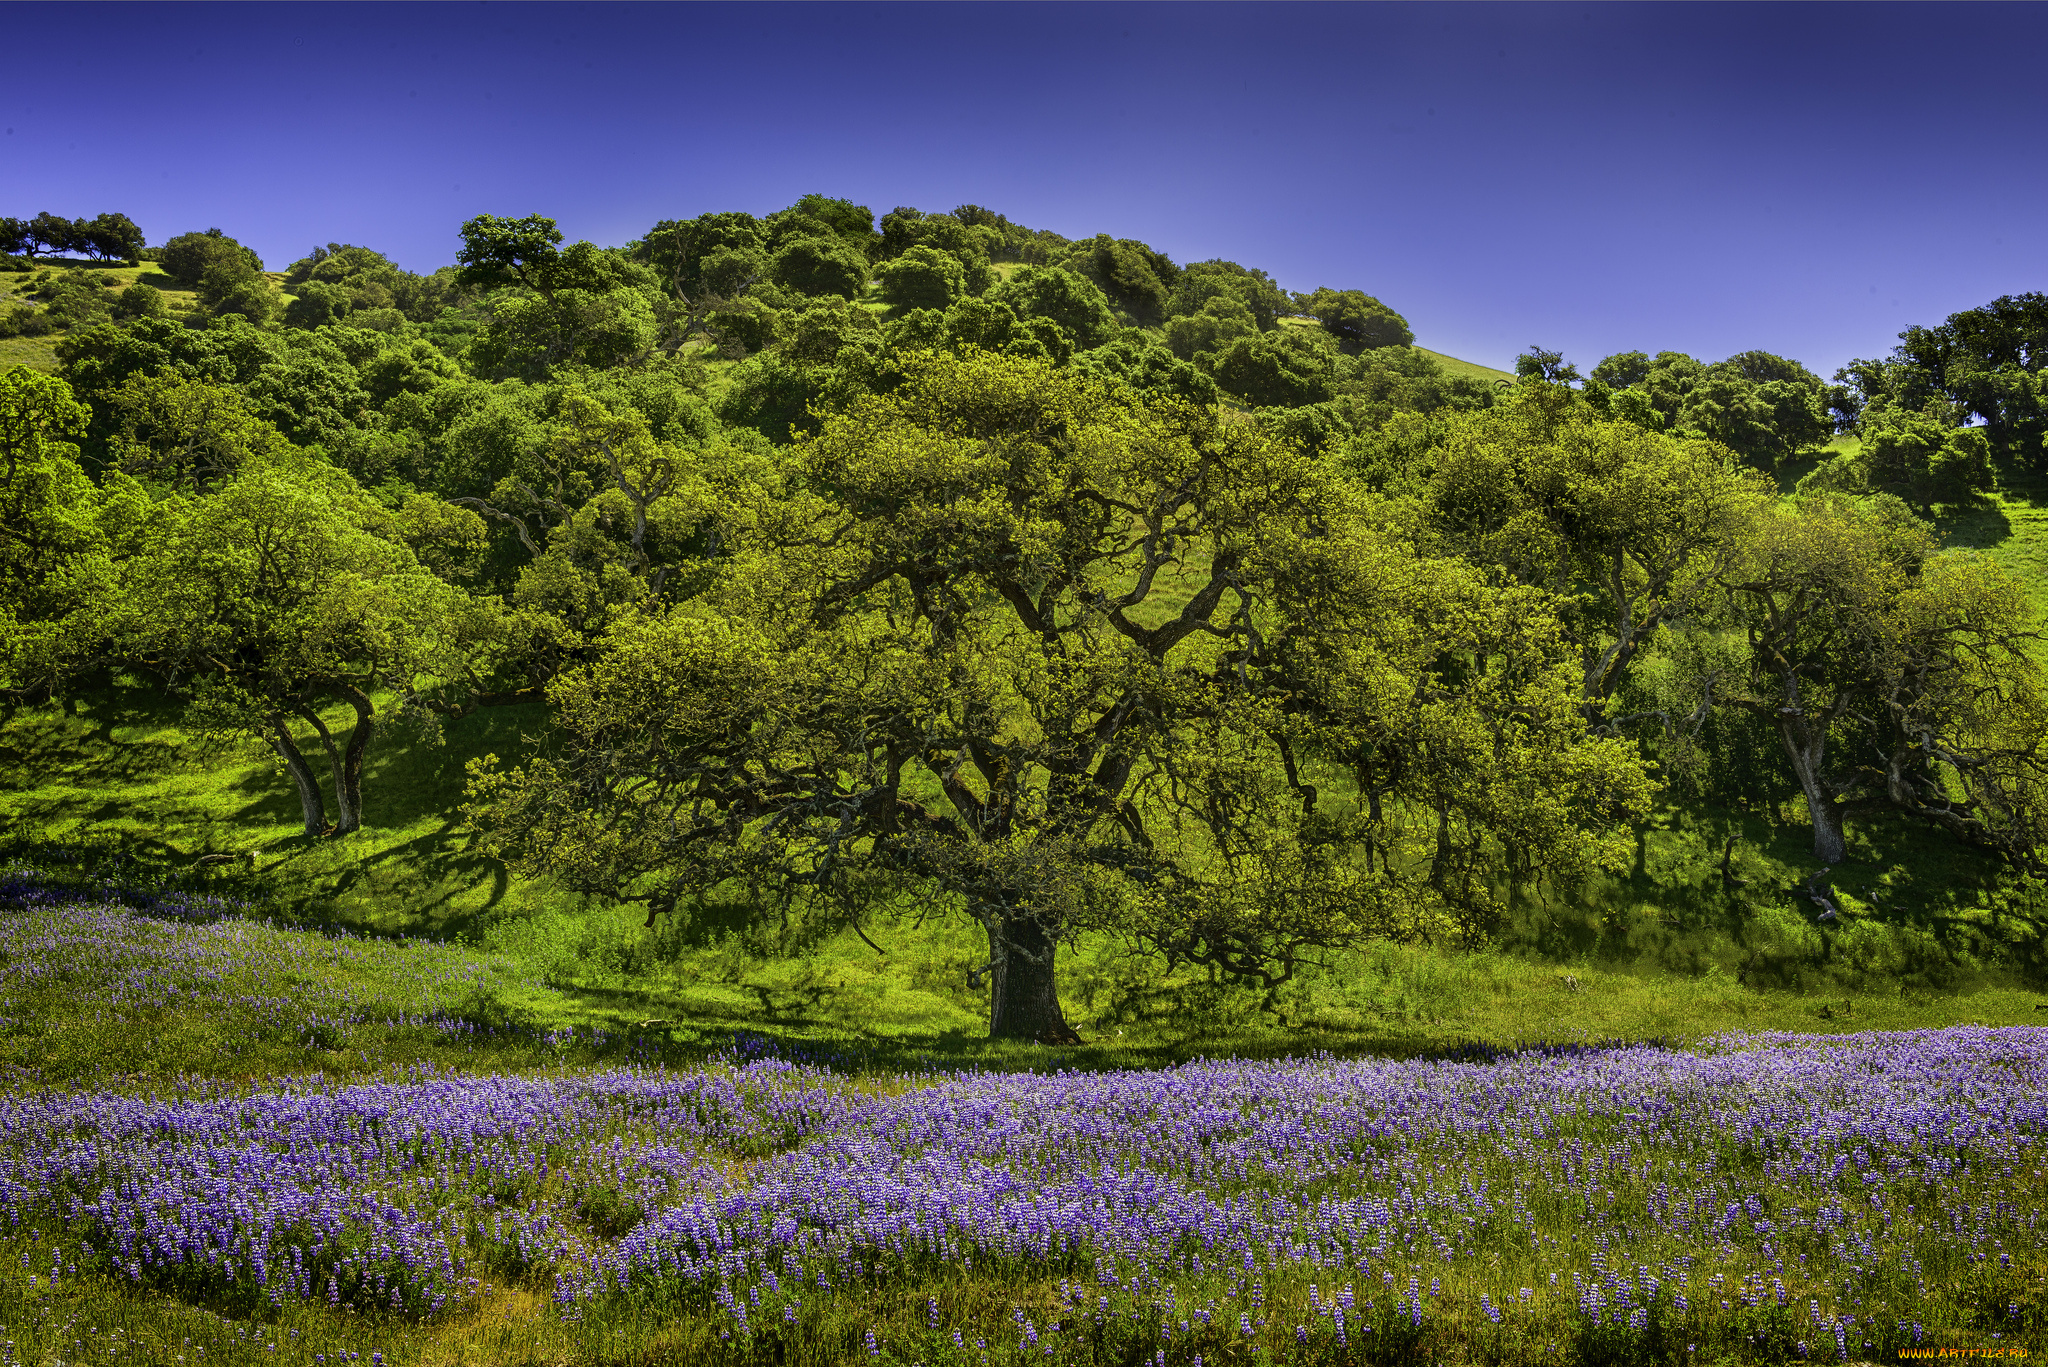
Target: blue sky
x,y
1807,179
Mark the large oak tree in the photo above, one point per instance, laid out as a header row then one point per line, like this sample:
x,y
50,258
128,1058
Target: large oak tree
x,y
1009,643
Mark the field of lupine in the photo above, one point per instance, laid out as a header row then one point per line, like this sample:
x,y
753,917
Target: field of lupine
x,y
1758,1198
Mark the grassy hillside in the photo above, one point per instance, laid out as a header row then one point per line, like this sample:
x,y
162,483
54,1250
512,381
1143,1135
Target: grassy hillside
x,y
441,1051
1469,369
1666,951
1675,948
40,353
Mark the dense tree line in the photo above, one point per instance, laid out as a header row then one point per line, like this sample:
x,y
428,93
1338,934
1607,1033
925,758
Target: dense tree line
x,y
930,563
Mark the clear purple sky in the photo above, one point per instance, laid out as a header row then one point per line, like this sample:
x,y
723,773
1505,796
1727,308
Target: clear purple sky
x,y
1807,179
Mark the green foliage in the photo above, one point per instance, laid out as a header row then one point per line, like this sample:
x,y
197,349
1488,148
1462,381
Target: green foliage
x,y
1073,304
308,384
1284,369
1173,826
1625,530
1207,280
187,434
1623,370
720,253
286,589
981,324
233,287
1987,361
187,257
1764,407
338,280
1132,276
828,326
529,336
1136,361
1372,387
140,300
614,509
1633,405
25,322
76,299
113,237
1318,429
640,434
742,327
853,223
1222,320
774,395
583,306
107,237
708,267
1358,321
922,278
1539,363
1864,640
971,245
61,535
498,252
1922,457
820,266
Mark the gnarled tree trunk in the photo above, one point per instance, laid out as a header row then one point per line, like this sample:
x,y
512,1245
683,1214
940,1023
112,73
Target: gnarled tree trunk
x,y
1806,744
1023,1003
310,806
348,778
346,761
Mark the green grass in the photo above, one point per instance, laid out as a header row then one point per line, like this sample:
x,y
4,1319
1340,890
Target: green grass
x,y
37,353
1664,951
1470,369
117,768
2012,530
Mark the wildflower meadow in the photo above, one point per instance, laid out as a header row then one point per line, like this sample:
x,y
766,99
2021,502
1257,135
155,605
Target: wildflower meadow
x,y
1748,1198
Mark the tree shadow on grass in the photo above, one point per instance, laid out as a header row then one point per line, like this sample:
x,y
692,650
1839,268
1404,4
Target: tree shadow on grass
x,y
960,1050
1908,906
1973,528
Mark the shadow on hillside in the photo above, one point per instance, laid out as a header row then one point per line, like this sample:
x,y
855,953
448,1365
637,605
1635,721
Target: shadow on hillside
x,y
112,768
1910,908
1789,472
1968,528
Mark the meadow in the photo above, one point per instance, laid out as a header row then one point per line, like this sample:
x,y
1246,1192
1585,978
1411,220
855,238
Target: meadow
x,y
231,1139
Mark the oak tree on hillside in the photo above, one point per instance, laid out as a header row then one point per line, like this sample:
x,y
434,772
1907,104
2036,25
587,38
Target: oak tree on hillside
x,y
286,592
922,278
1071,302
1066,659
1626,529
1358,321
1891,673
1990,361
582,305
